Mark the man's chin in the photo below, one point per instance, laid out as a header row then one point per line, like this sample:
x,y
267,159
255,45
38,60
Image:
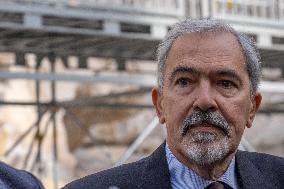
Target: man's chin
x,y
207,153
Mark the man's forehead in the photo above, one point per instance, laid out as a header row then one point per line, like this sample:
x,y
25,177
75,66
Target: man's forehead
x,y
208,45
205,53
193,40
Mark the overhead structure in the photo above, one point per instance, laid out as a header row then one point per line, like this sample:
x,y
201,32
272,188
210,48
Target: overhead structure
x,y
125,29
86,28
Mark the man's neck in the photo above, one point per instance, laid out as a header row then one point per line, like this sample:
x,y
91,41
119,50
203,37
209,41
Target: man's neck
x,y
212,171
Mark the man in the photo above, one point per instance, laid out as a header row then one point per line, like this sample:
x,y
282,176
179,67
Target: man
x,y
11,178
208,76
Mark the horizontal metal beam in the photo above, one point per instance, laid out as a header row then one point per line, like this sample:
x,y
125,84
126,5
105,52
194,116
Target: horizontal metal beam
x,y
78,105
272,87
141,80
269,111
157,17
77,31
82,104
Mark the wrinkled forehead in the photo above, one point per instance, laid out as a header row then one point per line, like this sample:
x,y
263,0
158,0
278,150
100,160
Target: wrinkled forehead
x,y
207,47
201,39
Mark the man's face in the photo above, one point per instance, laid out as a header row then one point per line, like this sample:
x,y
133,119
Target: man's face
x,y
206,101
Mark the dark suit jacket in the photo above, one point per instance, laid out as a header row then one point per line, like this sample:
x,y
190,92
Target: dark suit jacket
x,y
18,179
254,170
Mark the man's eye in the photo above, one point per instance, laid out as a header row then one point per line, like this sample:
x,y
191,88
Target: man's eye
x,y
227,84
183,82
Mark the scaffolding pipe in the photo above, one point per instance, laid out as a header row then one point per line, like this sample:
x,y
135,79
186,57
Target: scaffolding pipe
x,y
144,134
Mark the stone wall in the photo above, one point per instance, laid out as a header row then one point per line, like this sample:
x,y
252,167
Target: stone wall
x,y
113,130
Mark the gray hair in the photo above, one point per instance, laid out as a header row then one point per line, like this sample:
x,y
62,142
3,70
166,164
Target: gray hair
x,y
248,46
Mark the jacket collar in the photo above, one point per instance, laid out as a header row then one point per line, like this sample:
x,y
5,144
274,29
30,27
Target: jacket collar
x,y
156,172
249,176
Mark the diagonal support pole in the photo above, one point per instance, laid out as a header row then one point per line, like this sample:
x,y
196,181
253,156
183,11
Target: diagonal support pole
x,y
29,152
22,137
143,135
80,125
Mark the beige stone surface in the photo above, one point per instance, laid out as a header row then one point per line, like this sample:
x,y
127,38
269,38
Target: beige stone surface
x,y
267,134
113,129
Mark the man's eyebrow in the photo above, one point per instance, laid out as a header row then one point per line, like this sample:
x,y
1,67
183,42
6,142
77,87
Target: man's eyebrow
x,y
182,69
230,73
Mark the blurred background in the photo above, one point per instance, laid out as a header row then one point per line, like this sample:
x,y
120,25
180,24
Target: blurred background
x,y
76,77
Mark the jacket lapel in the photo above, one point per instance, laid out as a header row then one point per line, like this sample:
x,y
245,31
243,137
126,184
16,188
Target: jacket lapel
x,y
156,171
248,175
156,174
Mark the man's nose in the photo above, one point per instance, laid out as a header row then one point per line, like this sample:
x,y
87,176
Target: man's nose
x,y
205,97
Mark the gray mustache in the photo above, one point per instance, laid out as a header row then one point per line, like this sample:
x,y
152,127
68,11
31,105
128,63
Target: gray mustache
x,y
209,117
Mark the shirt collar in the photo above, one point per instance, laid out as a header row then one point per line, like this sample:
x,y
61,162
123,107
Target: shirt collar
x,y
184,177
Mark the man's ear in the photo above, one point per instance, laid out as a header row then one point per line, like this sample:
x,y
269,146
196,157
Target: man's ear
x,y
256,101
157,100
